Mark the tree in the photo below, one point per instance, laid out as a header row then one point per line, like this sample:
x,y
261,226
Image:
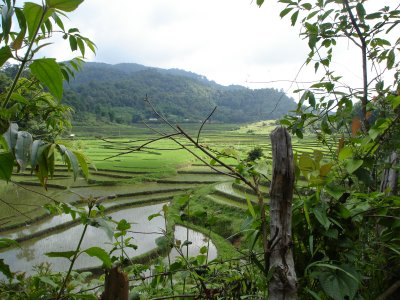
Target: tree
x,y
31,91
345,190
36,87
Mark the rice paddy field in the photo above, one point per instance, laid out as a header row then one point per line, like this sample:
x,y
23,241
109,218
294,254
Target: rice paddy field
x,y
133,167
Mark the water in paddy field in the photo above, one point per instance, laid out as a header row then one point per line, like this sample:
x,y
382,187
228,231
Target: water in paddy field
x,y
198,240
32,252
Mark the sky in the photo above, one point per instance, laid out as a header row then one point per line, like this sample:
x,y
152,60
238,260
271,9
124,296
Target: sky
x,y
228,41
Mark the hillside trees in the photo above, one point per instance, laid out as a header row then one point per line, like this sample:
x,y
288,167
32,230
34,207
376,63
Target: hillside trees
x,y
121,89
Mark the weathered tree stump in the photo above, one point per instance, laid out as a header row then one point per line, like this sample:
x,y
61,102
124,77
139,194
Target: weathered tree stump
x,y
283,284
116,285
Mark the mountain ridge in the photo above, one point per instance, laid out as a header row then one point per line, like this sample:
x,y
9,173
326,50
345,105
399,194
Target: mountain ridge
x,y
116,93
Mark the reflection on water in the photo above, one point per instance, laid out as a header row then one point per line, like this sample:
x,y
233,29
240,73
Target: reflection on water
x,y
32,251
198,240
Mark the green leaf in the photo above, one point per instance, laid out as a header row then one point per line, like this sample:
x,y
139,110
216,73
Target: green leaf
x,y
5,243
6,165
100,254
260,2
33,15
72,162
61,254
293,18
83,163
360,11
81,46
311,99
5,269
64,5
251,208
23,149
72,43
353,164
48,281
123,225
49,73
373,16
151,217
395,102
7,12
11,136
390,59
306,164
325,169
162,242
338,283
307,6
36,145
285,11
18,42
320,214
5,54
105,225
345,153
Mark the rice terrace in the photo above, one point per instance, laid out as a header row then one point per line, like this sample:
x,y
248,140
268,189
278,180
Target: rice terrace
x,y
199,150
134,184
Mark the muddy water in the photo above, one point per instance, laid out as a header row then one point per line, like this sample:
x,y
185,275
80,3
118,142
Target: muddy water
x,y
33,251
198,240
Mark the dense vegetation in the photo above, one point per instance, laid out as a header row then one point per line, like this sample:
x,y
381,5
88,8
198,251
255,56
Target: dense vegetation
x,y
342,226
116,93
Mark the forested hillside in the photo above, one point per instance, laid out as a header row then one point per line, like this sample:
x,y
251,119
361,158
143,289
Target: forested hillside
x,y
116,93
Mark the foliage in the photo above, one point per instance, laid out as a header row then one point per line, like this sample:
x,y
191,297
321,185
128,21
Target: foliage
x,y
345,215
25,100
116,93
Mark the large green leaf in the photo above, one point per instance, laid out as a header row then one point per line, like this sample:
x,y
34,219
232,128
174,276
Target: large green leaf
x,y
72,162
49,73
100,254
11,136
36,145
83,163
48,280
320,214
23,149
339,283
5,54
64,5
33,15
7,12
352,165
19,40
6,165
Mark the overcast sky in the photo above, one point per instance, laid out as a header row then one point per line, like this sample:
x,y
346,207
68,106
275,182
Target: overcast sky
x,y
228,41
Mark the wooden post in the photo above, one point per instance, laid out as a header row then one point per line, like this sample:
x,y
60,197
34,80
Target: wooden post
x,y
116,285
283,285
390,175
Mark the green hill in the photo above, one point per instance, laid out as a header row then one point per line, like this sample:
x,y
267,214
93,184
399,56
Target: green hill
x,y
116,93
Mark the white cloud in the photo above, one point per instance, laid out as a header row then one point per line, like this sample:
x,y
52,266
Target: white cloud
x,y
229,41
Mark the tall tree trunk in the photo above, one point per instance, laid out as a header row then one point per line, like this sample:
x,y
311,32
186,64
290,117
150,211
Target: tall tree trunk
x,y
283,284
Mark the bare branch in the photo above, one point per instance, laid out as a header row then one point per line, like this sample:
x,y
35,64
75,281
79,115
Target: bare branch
x,y
204,122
